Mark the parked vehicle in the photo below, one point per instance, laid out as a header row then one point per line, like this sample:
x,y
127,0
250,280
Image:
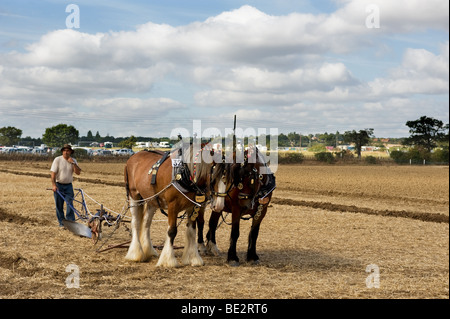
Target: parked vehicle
x,y
24,150
102,152
124,151
144,144
41,151
9,150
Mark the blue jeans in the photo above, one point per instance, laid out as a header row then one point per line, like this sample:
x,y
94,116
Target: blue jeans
x,y
66,191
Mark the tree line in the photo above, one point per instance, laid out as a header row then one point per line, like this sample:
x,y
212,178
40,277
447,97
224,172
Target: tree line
x,y
427,133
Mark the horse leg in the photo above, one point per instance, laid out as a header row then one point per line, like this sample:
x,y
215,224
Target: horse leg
x,y
145,238
167,257
135,252
232,258
253,237
211,235
190,252
200,226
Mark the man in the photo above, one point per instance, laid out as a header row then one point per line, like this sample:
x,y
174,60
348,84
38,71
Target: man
x,y
62,171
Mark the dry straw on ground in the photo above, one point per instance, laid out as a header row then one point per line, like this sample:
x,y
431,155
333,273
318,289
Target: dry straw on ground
x,y
324,227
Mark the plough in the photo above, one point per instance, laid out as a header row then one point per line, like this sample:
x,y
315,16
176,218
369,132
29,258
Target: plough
x,y
90,225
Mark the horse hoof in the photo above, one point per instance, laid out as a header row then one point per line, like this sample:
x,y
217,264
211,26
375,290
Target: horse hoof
x,y
254,262
213,251
202,249
233,263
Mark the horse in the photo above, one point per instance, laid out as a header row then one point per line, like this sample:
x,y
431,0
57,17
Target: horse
x,y
139,173
241,190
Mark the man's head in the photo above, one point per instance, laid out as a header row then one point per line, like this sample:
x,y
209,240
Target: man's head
x,y
67,150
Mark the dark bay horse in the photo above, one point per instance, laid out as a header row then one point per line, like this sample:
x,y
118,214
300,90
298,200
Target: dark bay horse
x,y
244,191
164,194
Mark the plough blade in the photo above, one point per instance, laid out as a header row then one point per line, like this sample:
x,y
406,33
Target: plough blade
x,y
77,228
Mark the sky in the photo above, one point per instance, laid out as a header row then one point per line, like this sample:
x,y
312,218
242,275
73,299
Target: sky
x,y
151,68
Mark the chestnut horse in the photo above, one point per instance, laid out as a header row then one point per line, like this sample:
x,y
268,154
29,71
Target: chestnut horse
x,y
164,194
244,191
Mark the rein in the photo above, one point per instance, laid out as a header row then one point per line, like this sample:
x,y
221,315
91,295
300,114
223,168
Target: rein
x,y
260,188
254,178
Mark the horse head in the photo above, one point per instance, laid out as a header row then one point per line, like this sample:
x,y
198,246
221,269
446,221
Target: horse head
x,y
247,180
220,184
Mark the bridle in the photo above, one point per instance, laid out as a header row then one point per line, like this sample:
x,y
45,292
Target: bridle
x,y
254,180
224,179
242,174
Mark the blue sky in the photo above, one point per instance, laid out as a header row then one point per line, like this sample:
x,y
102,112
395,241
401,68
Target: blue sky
x,y
24,21
148,67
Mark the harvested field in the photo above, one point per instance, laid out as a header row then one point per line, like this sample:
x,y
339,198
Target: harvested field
x,y
326,224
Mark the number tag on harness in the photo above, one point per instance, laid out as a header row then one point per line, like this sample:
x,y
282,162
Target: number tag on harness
x,y
177,162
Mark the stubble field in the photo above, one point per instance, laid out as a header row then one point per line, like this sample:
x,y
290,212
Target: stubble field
x,y
325,226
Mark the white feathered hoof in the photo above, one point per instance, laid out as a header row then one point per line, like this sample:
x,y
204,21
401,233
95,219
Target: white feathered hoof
x,y
192,259
167,262
212,249
202,249
149,253
135,252
167,258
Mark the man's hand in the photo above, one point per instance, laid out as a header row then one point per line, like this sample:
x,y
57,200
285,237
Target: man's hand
x,y
53,179
76,168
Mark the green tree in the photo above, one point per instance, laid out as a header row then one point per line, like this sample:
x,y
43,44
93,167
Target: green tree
x,y
128,143
426,132
318,148
294,139
59,135
10,135
360,138
328,139
283,140
324,157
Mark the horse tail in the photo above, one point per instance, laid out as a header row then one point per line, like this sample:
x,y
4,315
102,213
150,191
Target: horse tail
x,y
127,185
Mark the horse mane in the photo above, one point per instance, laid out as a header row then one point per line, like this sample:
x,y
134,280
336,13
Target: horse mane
x,y
199,169
223,169
261,161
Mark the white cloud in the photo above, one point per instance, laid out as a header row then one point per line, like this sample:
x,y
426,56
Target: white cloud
x,y
397,16
253,79
421,72
244,59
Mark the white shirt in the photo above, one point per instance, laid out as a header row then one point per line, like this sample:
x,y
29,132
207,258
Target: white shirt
x,y
63,170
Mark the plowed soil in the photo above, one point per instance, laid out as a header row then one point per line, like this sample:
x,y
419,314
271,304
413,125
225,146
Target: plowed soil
x,y
324,227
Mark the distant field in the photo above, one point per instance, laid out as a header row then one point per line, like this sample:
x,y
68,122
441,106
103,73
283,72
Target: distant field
x,y
325,226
